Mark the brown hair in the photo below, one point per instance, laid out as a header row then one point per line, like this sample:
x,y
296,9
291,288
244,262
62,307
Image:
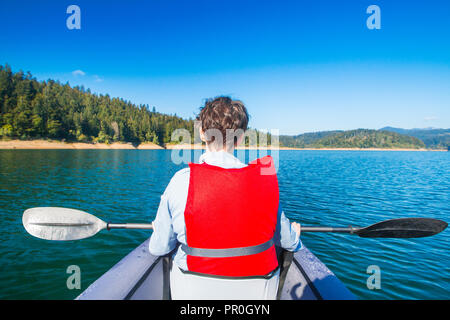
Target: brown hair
x,y
225,115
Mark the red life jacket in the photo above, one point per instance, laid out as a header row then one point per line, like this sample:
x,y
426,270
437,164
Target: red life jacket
x,y
228,209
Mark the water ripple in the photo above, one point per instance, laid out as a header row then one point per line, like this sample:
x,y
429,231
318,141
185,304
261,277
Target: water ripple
x,y
316,188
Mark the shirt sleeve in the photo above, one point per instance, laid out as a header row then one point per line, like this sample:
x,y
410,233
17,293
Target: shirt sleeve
x,y
164,239
285,235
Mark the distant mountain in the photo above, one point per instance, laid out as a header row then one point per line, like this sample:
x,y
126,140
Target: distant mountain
x,y
360,138
432,137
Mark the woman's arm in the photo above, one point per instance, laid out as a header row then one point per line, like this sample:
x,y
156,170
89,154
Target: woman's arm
x,y
163,239
287,234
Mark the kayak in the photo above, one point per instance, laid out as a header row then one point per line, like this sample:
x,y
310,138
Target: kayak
x,y
142,276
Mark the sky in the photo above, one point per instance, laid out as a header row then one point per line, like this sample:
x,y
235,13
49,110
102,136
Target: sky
x,y
299,66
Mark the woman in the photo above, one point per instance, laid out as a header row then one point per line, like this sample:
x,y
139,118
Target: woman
x,y
226,216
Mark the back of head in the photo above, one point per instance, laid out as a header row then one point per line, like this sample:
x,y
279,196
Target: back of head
x,y
223,122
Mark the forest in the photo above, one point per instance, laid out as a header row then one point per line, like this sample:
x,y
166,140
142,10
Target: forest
x,y
385,138
366,138
31,109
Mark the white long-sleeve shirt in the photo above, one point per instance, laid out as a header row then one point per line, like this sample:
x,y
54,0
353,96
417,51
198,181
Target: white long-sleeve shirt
x,y
169,225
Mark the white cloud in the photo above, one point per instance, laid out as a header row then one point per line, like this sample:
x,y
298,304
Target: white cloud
x,y
431,118
97,78
78,73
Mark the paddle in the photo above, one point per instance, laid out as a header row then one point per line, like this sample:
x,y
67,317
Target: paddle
x,y
53,223
393,228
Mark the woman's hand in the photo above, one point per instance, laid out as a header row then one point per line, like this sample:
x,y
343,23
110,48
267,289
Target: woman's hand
x,y
297,227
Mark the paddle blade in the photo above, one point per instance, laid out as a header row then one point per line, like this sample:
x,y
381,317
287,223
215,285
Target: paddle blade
x,y
403,228
52,223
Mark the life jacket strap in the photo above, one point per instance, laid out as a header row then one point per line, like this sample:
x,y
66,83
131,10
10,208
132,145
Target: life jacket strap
x,y
226,253
214,276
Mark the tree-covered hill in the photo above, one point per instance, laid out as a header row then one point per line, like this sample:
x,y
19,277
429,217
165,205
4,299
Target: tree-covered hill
x,y
360,138
433,138
49,109
305,139
365,138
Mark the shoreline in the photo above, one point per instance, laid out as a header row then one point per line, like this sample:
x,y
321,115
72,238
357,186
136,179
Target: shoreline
x,y
363,149
196,147
56,144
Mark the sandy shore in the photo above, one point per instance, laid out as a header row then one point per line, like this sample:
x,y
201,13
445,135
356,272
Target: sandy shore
x,y
53,144
148,146
185,146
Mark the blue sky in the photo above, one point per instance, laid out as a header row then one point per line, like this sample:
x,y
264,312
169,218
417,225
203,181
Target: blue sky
x,y
299,66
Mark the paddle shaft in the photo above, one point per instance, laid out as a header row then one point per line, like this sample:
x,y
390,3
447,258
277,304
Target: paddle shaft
x,y
329,229
145,226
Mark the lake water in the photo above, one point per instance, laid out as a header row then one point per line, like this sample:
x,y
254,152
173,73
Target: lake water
x,y
331,188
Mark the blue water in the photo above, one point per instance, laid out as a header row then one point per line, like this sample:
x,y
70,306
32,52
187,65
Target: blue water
x,y
335,188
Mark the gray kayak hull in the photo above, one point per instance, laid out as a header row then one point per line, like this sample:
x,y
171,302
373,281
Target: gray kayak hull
x,y
142,276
